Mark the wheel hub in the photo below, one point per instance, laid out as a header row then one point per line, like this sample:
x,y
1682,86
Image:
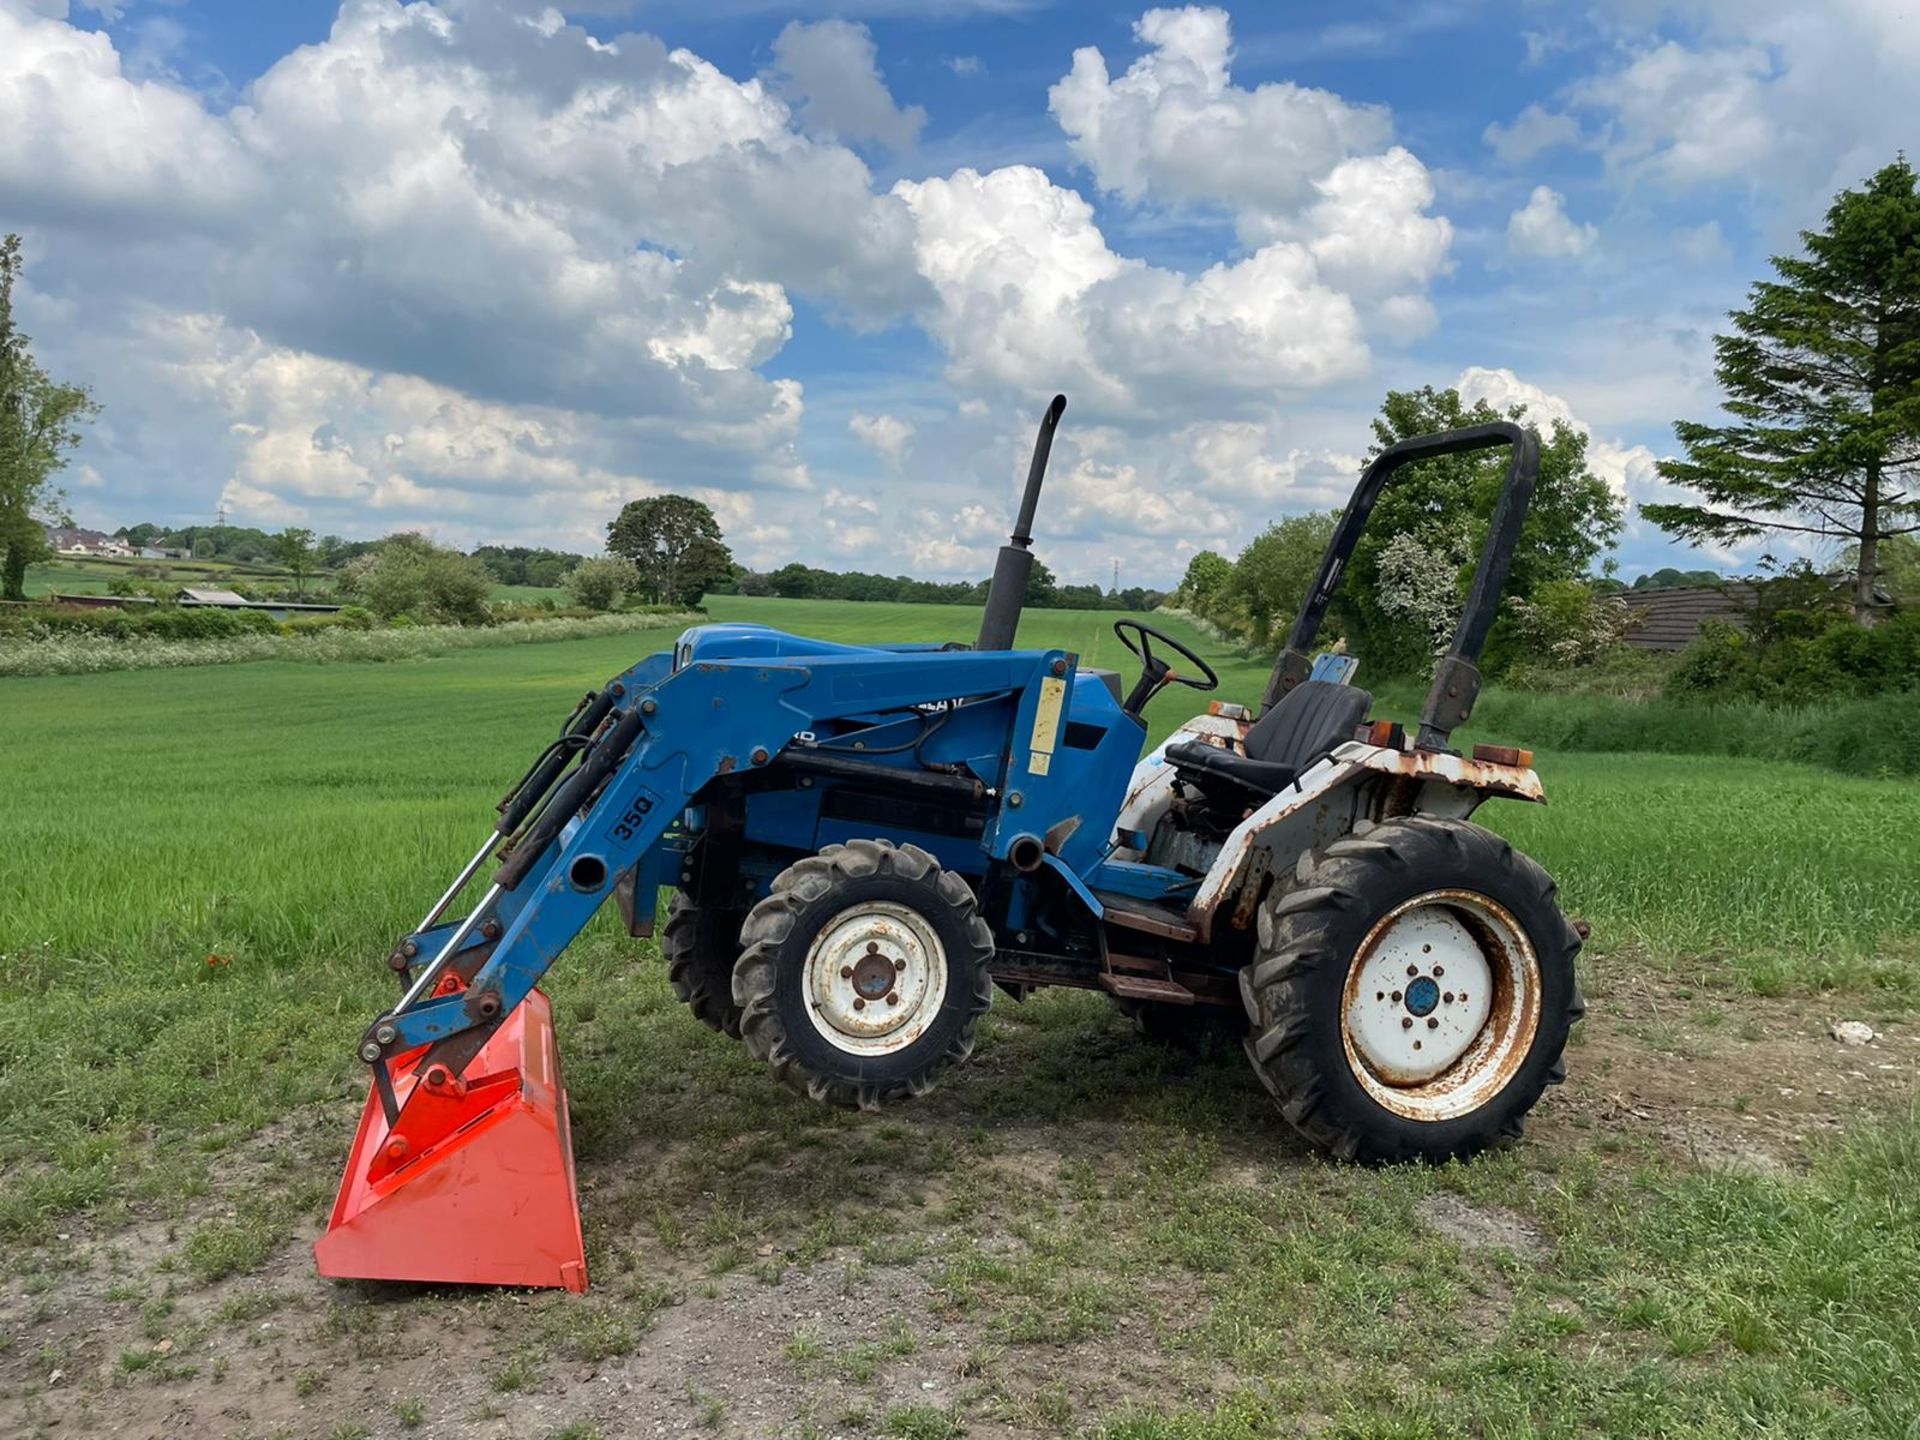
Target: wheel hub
x,y
876,976
873,973
1423,995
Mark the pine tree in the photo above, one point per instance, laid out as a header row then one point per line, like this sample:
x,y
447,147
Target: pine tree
x,y
1822,376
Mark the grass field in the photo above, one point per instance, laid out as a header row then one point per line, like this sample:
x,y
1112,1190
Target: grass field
x,y
73,575
203,868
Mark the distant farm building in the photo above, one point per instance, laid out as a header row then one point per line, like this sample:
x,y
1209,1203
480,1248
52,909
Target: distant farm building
x,y
1670,619
66,540
228,600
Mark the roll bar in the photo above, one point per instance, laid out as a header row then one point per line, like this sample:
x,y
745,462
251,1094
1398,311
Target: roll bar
x,y
1007,594
1456,680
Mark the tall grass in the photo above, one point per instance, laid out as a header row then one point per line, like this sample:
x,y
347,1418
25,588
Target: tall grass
x,y
1871,737
74,654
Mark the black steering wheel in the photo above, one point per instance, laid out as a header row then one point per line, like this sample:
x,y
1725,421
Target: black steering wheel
x,y
1155,672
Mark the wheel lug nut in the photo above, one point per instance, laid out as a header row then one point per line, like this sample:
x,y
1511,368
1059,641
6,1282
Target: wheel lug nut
x,y
1433,1022
858,1003
873,947
846,972
1396,997
1448,997
1413,970
1439,970
1406,1022
893,997
900,964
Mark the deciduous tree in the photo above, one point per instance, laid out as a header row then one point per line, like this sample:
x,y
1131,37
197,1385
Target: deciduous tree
x,y
598,583
40,421
675,545
1445,505
1271,577
1822,374
293,548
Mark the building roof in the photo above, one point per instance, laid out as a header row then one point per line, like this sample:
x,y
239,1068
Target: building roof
x,y
212,597
1670,619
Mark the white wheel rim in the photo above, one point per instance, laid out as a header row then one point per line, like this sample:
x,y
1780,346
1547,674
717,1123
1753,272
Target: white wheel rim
x,y
876,977
1441,1005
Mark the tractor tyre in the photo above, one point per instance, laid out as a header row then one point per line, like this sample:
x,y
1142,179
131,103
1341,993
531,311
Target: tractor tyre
x,y
863,973
700,944
1411,995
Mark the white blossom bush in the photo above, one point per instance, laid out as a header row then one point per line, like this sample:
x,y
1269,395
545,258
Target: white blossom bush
x,y
1420,584
1567,624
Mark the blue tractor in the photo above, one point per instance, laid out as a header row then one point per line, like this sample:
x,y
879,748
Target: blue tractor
x,y
860,844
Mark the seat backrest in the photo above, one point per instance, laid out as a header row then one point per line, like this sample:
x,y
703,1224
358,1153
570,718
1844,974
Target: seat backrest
x,y
1310,720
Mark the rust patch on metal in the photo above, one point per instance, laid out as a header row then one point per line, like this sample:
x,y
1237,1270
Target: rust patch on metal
x,y
1505,1039
1259,866
1490,776
1503,755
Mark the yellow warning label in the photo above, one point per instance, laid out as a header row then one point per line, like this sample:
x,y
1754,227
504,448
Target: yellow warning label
x,y
1046,724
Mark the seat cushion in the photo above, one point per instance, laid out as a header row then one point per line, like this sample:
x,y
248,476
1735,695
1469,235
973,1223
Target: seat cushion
x,y
1216,770
1312,718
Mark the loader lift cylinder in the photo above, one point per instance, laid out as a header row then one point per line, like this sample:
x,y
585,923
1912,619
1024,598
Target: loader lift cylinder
x,y
1007,594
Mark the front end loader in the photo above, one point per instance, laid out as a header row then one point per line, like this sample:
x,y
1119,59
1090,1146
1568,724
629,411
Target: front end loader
x,y
860,844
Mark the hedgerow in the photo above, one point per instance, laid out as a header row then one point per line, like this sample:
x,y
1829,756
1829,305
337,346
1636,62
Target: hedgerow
x,y
83,651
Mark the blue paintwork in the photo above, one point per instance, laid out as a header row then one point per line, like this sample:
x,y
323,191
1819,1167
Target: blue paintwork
x,y
1143,882
1423,996
729,693
1335,669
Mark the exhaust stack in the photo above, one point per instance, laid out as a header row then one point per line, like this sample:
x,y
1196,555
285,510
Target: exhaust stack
x,y
1007,595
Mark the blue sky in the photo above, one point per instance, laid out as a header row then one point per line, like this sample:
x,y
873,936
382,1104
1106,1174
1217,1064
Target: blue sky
x,y
490,269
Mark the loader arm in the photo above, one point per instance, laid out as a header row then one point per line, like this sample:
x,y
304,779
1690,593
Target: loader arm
x,y
462,1168
666,738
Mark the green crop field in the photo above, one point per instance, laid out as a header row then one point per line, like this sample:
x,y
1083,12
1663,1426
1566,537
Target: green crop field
x,y
204,866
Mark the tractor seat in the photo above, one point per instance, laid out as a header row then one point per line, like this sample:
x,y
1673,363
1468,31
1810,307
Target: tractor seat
x,y
1310,720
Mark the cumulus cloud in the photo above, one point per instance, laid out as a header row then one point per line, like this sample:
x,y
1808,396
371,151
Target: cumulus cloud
x,y
1627,469
887,436
1541,228
1532,131
830,70
1176,129
1784,99
1028,286
1288,162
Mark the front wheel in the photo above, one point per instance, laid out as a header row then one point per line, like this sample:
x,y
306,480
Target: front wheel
x,y
862,974
1412,996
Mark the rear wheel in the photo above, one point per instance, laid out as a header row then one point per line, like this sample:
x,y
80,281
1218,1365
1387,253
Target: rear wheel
x,y
700,944
863,973
1412,995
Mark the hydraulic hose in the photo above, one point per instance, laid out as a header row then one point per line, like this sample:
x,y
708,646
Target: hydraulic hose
x,y
600,762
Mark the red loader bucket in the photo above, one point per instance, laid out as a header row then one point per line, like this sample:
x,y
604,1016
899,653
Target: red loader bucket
x,y
473,1184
